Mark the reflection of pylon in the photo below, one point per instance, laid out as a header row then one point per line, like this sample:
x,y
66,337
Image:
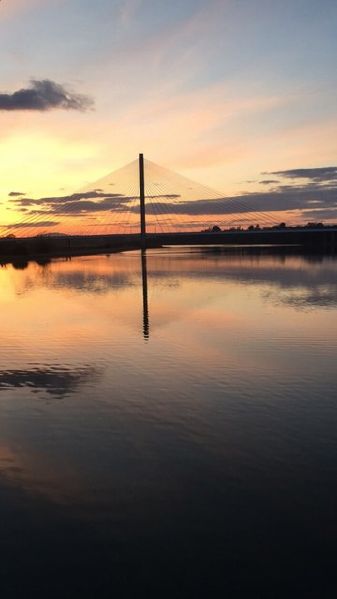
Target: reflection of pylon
x,y
146,318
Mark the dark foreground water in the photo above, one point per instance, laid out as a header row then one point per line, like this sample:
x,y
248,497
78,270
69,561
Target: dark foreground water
x,y
174,436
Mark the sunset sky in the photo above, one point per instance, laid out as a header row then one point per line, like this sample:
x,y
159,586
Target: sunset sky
x,y
239,95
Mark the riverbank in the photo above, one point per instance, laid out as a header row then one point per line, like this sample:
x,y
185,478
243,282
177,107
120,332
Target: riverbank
x,y
43,248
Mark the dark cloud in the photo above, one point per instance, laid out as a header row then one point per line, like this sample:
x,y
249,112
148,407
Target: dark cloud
x,y
42,224
95,194
167,196
75,197
320,214
15,194
291,198
284,198
268,181
83,203
325,173
44,95
23,202
88,206
311,200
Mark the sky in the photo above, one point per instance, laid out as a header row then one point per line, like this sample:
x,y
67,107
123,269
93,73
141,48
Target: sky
x,y
239,95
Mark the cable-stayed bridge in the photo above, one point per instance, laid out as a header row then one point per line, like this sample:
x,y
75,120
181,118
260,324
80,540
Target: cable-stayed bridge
x,y
145,204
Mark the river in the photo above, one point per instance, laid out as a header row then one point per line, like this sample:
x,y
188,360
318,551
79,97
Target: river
x,y
168,425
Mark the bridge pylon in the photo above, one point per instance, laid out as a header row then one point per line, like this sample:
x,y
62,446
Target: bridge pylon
x,y
142,202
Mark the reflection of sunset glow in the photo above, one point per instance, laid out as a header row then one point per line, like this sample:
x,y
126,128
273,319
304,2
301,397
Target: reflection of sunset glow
x,y
115,284
35,474
76,368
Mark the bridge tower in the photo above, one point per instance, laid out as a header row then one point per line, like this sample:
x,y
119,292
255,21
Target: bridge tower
x,y
142,202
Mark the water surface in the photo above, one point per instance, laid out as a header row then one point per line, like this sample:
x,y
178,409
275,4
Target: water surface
x,y
168,426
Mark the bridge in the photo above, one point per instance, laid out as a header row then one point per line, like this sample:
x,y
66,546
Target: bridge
x,y
144,205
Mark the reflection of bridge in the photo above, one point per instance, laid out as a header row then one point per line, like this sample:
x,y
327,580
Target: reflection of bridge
x,y
278,253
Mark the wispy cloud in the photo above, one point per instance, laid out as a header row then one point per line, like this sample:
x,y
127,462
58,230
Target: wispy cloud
x,y
39,224
12,8
128,9
267,181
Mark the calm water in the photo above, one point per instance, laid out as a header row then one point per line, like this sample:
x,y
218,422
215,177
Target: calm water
x,y
174,435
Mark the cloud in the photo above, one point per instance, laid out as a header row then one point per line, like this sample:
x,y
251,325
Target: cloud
x,y
321,215
74,197
296,198
13,8
325,173
266,181
44,95
308,201
15,194
127,10
45,223
87,207
87,202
